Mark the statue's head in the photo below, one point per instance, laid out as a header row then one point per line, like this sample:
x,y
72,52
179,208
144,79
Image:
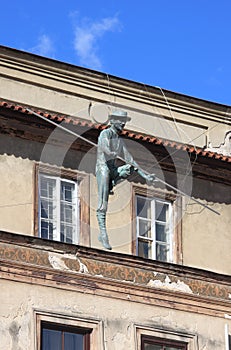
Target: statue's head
x,y
118,119
119,114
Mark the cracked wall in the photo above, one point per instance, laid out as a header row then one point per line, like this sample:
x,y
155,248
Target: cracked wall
x,y
119,317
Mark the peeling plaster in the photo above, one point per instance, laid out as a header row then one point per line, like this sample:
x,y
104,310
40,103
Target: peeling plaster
x,y
57,262
82,268
224,148
167,284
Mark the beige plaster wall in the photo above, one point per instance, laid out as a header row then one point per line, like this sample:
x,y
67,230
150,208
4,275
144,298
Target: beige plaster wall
x,y
206,235
206,238
118,317
16,188
119,222
49,86
70,92
154,121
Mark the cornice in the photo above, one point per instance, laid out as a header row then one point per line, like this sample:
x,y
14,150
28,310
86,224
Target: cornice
x,y
98,81
28,259
16,121
31,116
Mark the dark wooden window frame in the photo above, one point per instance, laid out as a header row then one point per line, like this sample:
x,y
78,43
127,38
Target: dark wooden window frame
x,y
91,326
64,328
146,339
176,206
84,207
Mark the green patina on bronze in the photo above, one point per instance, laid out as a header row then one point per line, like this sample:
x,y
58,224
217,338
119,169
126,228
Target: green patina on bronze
x,y
110,148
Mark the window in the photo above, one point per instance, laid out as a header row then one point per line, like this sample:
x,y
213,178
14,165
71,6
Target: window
x,y
62,337
66,332
150,343
149,338
58,209
154,228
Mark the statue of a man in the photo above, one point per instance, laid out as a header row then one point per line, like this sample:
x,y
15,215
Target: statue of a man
x,y
111,146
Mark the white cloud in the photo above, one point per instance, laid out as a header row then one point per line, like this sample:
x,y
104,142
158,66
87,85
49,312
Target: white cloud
x,y
44,47
86,40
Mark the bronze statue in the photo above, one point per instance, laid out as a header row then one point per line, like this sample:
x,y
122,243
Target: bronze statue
x,y
110,147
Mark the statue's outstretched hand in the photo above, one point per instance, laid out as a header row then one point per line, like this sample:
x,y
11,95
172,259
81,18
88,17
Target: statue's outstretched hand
x,y
150,178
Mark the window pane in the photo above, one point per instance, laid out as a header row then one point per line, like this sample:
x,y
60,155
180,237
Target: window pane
x,y
58,209
161,211
44,229
47,209
44,209
143,207
145,228
152,347
66,212
66,233
73,341
161,234
51,339
47,187
161,252
67,191
144,249
159,345
47,229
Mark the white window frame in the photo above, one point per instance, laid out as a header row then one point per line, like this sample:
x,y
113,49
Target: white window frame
x,y
152,239
57,219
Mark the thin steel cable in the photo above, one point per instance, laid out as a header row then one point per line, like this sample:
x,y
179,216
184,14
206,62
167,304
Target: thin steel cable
x,y
176,126
120,158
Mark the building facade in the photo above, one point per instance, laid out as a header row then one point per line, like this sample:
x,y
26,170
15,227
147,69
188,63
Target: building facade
x,y
166,282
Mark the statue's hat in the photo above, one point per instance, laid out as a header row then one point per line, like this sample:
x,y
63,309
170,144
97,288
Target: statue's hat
x,y
119,114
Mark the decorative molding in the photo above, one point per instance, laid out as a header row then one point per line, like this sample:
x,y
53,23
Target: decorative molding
x,y
59,74
224,148
92,263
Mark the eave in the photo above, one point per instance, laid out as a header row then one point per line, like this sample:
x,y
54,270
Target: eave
x,y
148,139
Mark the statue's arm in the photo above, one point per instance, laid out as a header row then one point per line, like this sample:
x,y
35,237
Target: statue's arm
x,y
147,177
129,160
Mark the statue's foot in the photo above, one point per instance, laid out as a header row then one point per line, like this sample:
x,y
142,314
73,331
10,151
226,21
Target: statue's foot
x,y
104,242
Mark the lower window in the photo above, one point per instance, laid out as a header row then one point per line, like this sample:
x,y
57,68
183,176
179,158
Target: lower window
x,y
62,337
150,343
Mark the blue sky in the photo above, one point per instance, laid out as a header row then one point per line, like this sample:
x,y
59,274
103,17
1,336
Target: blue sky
x,y
181,45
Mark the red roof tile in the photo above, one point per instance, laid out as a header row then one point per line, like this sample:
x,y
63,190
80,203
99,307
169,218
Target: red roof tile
x,y
134,135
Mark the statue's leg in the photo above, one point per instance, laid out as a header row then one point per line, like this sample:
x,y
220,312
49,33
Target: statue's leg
x,y
102,177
